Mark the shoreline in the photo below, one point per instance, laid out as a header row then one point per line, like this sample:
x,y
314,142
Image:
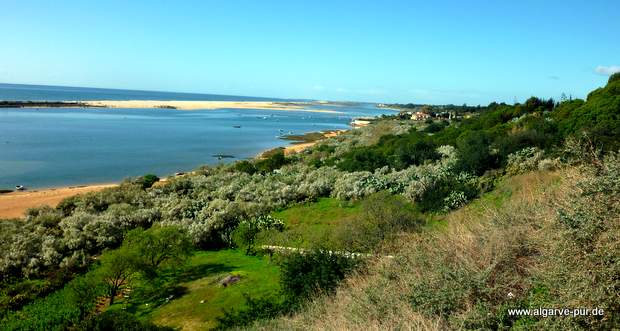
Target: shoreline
x,y
14,204
299,145
186,105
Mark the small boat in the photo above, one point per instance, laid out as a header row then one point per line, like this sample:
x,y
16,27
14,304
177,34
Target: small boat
x,y
20,187
223,156
236,126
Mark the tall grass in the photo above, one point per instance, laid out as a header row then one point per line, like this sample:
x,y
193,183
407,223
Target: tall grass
x,y
536,246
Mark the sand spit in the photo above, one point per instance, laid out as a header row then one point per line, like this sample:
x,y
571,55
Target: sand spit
x,y
206,105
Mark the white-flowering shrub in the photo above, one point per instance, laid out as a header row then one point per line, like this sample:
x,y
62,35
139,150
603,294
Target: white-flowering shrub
x,y
354,185
401,127
524,160
455,200
549,164
319,183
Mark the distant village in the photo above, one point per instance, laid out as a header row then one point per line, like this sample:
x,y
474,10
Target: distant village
x,y
429,112
423,113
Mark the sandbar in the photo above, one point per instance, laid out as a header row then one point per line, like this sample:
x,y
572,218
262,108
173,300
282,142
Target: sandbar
x,y
206,105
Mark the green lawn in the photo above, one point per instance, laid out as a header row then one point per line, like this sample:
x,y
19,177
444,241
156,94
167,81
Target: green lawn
x,y
310,222
198,298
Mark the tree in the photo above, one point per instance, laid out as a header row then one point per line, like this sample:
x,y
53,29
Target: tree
x,y
147,181
158,246
474,152
274,161
83,292
117,268
247,230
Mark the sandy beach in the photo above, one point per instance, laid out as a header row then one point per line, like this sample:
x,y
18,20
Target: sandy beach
x,y
206,105
14,204
296,148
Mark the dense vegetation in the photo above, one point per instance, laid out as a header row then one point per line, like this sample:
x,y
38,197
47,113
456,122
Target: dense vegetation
x,y
73,266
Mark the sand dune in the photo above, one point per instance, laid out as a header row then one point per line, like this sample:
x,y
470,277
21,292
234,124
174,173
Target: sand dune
x,y
202,105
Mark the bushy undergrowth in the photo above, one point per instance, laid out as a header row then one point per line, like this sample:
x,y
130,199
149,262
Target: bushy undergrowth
x,y
552,243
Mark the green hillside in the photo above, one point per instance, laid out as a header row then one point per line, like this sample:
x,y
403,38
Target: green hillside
x,y
444,224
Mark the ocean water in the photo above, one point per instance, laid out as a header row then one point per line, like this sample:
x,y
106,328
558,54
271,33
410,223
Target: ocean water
x,y
54,147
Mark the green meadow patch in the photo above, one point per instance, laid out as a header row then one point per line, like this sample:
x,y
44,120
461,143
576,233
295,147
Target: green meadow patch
x,y
310,222
194,297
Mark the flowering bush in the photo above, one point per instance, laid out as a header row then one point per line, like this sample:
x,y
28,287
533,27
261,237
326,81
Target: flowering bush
x,y
524,160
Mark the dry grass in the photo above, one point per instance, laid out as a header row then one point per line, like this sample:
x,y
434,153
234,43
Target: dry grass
x,y
488,250
542,239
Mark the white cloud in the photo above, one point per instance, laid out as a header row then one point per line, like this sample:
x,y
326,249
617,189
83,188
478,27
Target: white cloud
x,y
607,71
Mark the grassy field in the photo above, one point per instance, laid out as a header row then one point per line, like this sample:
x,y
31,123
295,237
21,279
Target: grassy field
x,y
310,222
198,298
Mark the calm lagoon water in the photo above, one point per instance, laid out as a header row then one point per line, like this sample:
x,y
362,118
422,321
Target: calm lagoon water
x,y
69,146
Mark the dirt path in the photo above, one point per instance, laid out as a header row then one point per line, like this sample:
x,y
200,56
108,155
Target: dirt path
x,y
14,204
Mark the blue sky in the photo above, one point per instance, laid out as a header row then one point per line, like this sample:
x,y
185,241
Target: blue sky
x,y
385,51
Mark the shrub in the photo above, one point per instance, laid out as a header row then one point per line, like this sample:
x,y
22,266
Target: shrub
x,y
383,216
245,166
524,160
355,185
246,232
439,187
255,310
304,275
436,126
474,152
147,181
119,320
272,162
